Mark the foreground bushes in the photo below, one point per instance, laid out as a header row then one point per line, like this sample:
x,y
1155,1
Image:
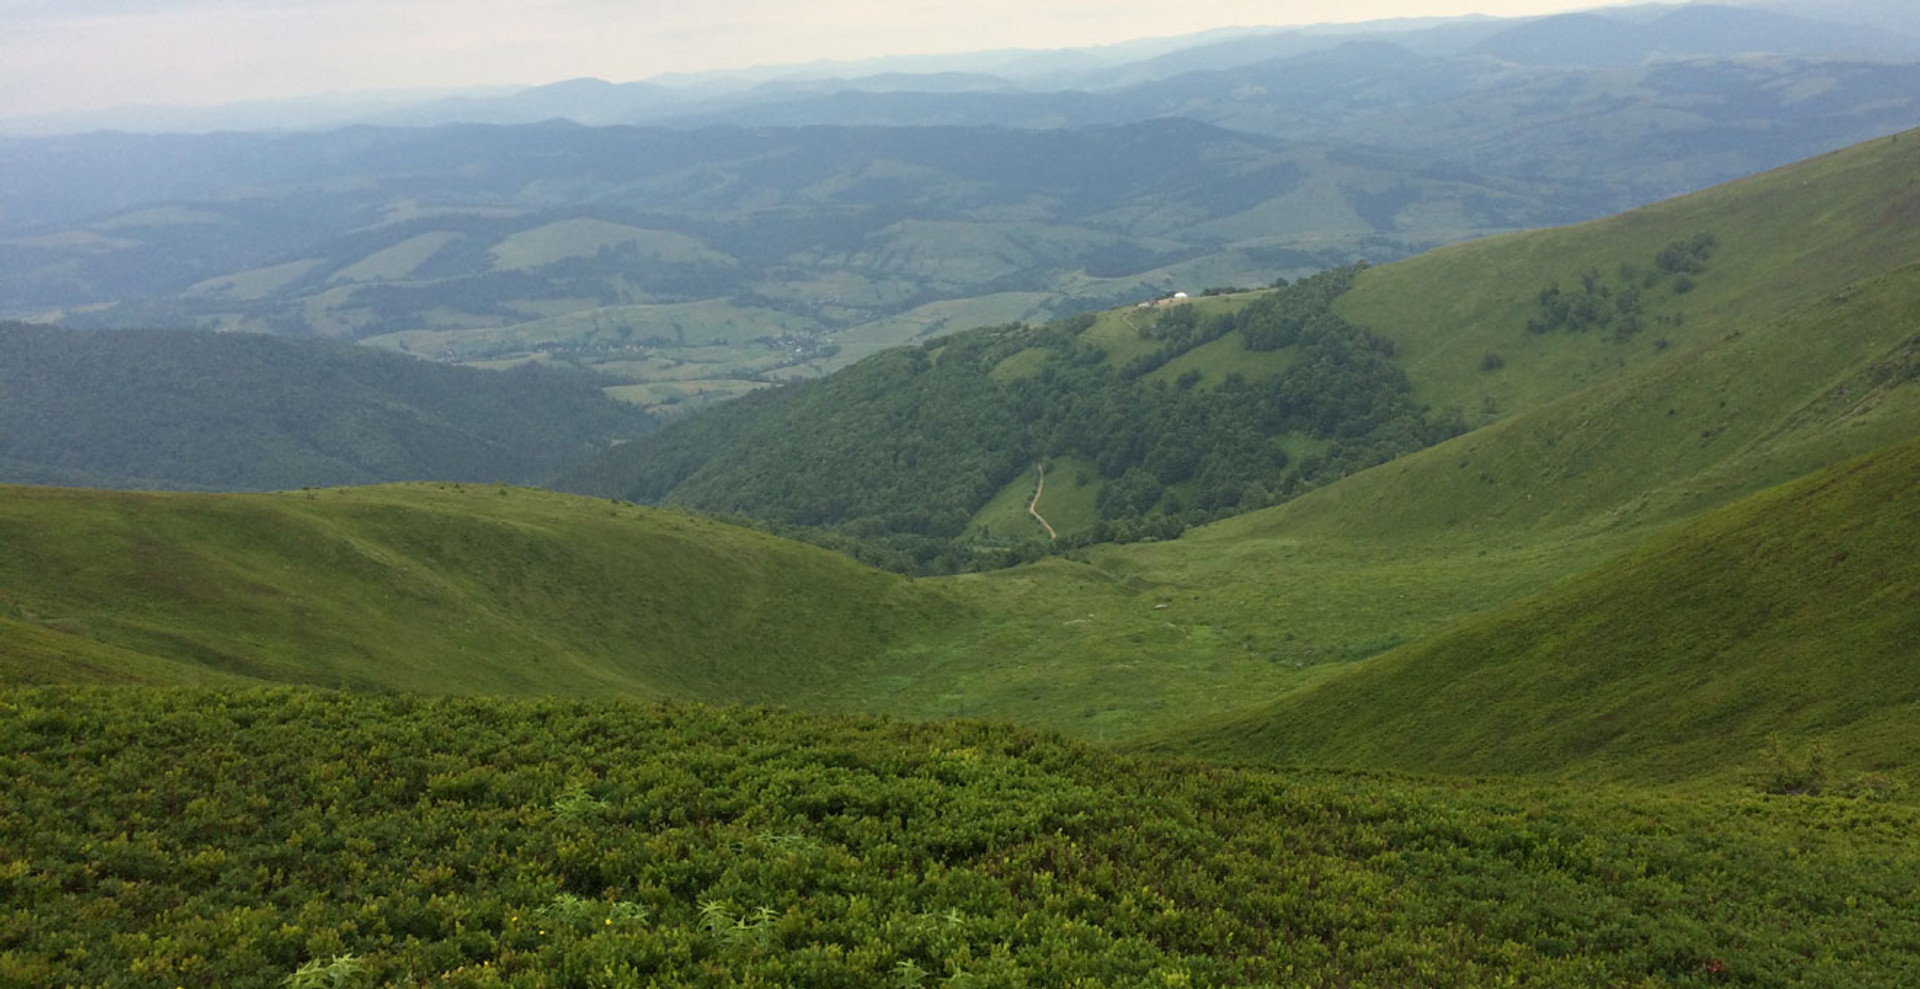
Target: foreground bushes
x,y
259,839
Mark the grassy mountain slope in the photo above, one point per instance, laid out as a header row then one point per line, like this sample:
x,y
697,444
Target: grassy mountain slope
x,y
1276,599
1790,612
1748,395
1804,389
445,588
1785,238
1122,640
254,839
487,589
246,411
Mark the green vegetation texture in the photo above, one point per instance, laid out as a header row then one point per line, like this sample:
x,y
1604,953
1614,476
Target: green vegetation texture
x,y
434,588
262,839
1791,613
1784,240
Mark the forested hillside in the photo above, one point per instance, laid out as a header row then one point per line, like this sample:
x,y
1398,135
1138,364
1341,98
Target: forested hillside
x,y
251,412
896,455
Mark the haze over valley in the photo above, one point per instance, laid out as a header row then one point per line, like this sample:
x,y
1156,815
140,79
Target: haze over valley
x,y
1420,501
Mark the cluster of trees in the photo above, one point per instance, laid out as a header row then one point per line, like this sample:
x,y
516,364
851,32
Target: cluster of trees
x,y
1621,302
899,451
1272,322
257,840
1219,444
230,411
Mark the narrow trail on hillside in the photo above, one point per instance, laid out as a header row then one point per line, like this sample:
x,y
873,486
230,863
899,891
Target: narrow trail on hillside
x,y
1034,505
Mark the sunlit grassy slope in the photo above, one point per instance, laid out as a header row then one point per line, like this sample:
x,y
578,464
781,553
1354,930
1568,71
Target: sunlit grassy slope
x,y
464,589
1786,239
1793,612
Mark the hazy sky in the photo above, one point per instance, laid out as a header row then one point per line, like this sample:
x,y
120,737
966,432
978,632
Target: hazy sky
x,y
60,55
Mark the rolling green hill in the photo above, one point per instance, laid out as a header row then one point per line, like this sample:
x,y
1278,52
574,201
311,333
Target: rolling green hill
x,y
434,588
1784,240
146,409
1789,613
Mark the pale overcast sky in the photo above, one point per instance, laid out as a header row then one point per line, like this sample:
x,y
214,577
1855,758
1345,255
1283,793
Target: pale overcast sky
x,y
59,55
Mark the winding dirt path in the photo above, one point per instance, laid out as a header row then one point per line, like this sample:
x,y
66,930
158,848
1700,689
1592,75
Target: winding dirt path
x,y
1034,505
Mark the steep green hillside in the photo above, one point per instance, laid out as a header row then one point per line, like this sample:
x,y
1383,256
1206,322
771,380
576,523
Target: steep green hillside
x,y
249,412
1784,240
1392,555
450,588
262,839
1795,612
1825,373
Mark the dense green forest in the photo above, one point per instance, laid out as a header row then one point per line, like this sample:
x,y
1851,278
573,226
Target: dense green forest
x,y
892,457
250,412
292,838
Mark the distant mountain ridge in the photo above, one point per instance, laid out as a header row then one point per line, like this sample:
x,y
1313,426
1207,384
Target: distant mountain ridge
x,y
697,263
1690,31
1603,37
700,238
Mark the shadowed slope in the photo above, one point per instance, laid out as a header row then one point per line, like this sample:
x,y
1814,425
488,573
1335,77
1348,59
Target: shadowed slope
x,y
432,588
